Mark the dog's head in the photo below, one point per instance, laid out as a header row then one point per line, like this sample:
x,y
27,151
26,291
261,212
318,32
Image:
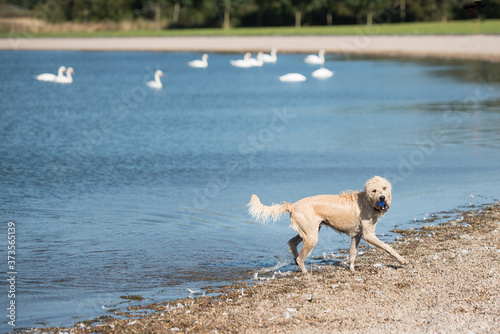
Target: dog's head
x,y
378,192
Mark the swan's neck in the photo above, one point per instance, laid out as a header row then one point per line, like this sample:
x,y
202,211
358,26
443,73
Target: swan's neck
x,y
260,58
68,75
157,77
60,73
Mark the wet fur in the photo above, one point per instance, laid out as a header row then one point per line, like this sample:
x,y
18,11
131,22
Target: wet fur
x,y
354,212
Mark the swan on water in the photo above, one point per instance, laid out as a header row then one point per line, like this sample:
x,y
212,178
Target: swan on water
x,y
316,59
156,83
200,63
257,62
292,77
51,77
65,79
322,73
245,63
270,58
68,78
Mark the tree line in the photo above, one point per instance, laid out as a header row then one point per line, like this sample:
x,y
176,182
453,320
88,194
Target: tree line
x,y
255,13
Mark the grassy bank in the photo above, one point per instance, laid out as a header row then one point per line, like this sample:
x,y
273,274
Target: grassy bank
x,y
425,28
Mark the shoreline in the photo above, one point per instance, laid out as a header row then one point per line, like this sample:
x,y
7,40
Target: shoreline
x,y
452,284
471,47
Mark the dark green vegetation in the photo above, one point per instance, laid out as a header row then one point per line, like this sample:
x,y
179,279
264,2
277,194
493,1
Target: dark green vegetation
x,y
427,28
164,14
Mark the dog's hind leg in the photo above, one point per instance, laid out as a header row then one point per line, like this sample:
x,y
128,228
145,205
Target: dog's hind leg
x,y
293,243
354,250
309,243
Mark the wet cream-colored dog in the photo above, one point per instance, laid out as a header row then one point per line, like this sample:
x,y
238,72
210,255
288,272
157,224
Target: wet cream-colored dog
x,y
354,213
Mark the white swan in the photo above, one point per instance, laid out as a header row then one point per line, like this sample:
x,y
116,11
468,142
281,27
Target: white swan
x,y
316,60
156,83
257,62
51,77
66,79
292,77
200,63
245,63
270,58
322,73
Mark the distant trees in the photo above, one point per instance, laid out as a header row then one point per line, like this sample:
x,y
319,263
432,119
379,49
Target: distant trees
x,y
234,13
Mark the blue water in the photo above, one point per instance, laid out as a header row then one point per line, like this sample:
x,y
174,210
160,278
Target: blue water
x,y
116,189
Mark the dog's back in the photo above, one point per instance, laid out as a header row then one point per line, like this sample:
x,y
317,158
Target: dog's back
x,y
340,212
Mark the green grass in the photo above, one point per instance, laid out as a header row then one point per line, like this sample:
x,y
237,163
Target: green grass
x,y
425,28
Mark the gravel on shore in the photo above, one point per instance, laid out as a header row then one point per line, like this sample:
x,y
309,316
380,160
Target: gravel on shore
x,y
452,285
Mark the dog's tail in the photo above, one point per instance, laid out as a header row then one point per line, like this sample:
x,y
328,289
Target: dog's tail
x,y
264,213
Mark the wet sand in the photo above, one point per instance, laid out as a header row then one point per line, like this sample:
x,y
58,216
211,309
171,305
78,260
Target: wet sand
x,y
478,47
452,285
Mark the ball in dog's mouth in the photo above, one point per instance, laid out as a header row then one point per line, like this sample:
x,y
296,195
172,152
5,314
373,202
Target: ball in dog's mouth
x,y
382,205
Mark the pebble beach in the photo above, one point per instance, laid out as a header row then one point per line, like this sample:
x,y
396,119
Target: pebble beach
x,y
452,285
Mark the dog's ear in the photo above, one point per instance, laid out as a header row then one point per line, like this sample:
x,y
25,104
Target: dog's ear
x,y
368,185
389,192
389,198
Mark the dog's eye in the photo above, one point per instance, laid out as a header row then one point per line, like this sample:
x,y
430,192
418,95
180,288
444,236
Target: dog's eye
x,y
385,188
374,190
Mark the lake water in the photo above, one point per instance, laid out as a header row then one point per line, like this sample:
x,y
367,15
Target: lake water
x,y
116,189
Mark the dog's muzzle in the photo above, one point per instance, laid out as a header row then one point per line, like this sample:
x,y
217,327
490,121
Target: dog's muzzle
x,y
381,204
383,208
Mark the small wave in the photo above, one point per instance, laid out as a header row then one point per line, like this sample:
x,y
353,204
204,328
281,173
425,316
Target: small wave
x,y
278,265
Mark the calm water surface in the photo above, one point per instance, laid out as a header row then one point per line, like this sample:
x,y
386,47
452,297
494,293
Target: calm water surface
x,y
117,189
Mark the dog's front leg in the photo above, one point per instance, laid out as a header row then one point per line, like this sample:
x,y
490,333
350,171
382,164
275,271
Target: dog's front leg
x,y
372,239
354,250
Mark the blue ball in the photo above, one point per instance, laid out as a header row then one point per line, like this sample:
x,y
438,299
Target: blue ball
x,y
380,203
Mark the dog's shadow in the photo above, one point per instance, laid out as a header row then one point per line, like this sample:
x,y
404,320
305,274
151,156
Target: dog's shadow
x,y
340,263
392,266
334,262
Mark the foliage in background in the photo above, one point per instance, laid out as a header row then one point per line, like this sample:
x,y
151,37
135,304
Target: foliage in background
x,y
250,13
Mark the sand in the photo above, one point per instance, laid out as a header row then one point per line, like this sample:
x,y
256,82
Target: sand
x,y
452,285
477,47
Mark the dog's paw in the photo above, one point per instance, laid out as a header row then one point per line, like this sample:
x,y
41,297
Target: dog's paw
x,y
404,261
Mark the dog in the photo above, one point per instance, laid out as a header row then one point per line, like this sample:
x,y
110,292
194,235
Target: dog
x,y
353,212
